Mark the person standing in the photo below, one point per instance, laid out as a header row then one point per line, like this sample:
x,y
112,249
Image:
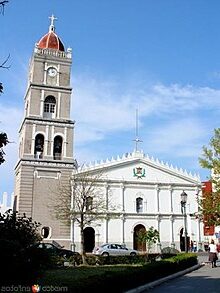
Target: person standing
x,y
213,253
194,246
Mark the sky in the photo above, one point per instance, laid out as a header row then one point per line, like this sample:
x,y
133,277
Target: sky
x,y
160,57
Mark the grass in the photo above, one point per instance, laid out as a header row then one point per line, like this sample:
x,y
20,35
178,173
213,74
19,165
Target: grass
x,y
111,278
80,277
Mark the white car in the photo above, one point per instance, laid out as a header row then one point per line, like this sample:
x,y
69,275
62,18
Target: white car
x,y
114,249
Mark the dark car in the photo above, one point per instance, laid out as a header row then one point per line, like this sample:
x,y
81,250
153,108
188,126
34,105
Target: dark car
x,y
50,247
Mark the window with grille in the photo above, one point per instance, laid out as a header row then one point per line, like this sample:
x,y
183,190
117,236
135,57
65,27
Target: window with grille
x,y
139,205
49,107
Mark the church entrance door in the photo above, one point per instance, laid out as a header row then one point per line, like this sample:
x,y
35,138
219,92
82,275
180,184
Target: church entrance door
x,y
89,239
140,245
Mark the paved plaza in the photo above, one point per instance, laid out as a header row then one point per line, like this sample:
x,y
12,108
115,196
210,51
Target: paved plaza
x,y
203,280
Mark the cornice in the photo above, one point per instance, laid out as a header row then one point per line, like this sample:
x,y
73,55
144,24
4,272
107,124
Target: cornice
x,y
43,163
50,122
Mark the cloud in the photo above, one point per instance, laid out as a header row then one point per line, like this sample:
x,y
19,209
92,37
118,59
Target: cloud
x,y
179,138
101,108
185,98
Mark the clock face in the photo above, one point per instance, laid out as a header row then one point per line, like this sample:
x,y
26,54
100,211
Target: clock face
x,y
52,71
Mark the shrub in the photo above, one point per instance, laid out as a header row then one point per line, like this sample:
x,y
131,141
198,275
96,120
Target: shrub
x,y
168,252
115,260
117,278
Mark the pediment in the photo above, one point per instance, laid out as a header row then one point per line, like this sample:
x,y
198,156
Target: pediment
x,y
141,168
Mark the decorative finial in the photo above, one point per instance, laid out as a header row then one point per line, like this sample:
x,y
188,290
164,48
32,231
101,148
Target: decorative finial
x,y
137,140
52,27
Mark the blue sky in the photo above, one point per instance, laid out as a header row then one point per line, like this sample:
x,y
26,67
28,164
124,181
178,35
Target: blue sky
x,y
162,57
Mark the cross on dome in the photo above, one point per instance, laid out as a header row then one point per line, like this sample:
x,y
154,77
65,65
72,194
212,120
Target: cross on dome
x,y
52,18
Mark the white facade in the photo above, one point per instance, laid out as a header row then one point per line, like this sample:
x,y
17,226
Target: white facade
x,y
158,187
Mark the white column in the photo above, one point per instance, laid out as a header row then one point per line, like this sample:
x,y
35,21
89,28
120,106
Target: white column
x,y
65,142
189,226
58,105
198,231
123,229
122,197
46,140
157,190
158,218
172,240
52,137
45,73
33,138
58,75
171,199
42,103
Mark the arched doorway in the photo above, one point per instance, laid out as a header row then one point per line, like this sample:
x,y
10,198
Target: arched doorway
x,y
138,243
89,239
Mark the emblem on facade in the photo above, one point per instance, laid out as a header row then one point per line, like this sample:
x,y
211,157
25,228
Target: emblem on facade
x,y
139,172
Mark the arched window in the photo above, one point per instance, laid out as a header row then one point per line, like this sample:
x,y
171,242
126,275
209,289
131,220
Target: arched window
x,y
57,147
139,205
49,107
88,203
45,232
39,146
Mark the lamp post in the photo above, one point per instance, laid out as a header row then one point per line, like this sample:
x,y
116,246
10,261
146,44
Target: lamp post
x,y
183,209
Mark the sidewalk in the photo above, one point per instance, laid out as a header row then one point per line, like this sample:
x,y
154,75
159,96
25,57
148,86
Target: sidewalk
x,y
200,278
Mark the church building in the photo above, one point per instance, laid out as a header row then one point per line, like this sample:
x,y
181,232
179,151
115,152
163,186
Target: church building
x,y
146,190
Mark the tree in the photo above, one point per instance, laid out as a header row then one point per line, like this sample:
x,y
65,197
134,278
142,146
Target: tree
x,y
17,234
3,136
4,63
150,237
82,201
2,6
19,228
209,203
3,142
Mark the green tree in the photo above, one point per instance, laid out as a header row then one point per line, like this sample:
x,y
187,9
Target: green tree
x,y
3,142
210,201
17,234
150,237
20,229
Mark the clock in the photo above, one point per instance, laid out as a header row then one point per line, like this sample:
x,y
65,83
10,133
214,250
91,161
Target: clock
x,y
52,71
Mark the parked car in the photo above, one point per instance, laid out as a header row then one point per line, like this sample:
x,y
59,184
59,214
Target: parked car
x,y
66,253
114,249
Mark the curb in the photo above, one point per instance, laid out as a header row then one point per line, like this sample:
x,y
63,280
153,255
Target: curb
x,y
150,285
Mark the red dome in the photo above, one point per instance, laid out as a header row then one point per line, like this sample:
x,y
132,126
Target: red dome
x,y
51,41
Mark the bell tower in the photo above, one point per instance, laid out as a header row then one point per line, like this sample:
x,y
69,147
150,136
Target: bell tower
x,y
46,135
